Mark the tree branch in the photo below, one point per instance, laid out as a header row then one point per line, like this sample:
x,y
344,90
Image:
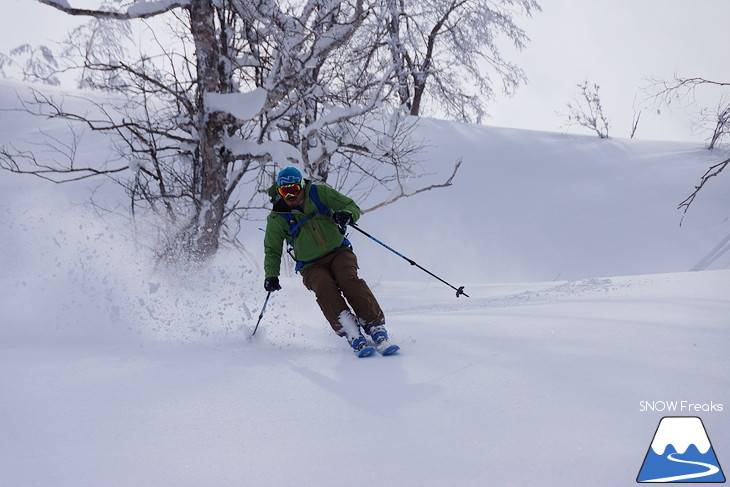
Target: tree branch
x,y
404,194
10,162
711,172
138,10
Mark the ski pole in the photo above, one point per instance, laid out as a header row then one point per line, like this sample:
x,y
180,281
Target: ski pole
x,y
459,290
263,309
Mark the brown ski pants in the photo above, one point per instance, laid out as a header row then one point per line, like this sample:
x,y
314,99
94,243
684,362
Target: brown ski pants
x,y
333,279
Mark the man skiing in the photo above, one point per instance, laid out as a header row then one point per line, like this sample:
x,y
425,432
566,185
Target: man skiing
x,y
311,218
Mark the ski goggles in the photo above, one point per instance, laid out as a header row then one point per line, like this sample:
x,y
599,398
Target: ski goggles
x,y
290,191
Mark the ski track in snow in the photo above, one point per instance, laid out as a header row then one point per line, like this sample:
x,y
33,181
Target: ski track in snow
x,y
550,293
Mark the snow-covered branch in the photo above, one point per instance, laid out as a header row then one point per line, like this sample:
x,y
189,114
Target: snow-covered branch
x,y
243,106
444,51
141,9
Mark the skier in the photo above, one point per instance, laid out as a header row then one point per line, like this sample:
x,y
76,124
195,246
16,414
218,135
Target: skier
x,y
311,218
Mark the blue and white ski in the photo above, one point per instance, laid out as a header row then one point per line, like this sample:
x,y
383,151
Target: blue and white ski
x,y
365,351
384,348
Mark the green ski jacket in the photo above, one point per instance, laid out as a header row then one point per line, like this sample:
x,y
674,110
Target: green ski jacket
x,y
317,236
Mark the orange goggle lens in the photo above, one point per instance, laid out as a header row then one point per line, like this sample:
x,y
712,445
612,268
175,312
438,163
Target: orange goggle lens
x,y
290,190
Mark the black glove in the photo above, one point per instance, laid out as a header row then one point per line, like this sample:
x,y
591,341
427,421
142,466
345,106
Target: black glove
x,y
272,284
342,218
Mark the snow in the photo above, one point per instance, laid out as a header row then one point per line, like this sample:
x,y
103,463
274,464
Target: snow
x,y
60,3
243,106
334,114
688,430
582,305
143,8
139,8
349,325
275,149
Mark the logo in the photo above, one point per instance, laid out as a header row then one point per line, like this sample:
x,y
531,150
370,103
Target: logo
x,y
681,452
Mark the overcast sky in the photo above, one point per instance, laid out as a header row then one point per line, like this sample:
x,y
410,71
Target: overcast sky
x,y
617,44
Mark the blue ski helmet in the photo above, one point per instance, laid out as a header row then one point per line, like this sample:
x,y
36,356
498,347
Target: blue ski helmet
x,y
289,175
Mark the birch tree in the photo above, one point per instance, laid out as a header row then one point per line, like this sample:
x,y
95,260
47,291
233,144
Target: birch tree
x,y
250,86
447,52
198,126
176,124
247,86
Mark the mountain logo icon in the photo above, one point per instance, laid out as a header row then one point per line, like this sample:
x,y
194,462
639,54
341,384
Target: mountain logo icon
x,y
681,452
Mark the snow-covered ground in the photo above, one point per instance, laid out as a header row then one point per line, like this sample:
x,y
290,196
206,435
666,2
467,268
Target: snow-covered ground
x,y
583,305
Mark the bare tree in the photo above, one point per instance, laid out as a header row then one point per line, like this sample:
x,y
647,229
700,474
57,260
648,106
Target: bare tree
x,y
98,42
719,119
587,111
635,123
201,129
680,88
635,120
247,86
716,121
447,51
35,64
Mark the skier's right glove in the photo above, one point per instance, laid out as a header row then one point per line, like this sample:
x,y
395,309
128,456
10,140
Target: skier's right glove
x,y
272,284
342,218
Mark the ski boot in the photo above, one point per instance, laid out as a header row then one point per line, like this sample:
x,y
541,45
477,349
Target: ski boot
x,y
380,338
360,346
351,330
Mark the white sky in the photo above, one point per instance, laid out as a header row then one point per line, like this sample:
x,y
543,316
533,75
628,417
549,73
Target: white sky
x,y
618,44
615,43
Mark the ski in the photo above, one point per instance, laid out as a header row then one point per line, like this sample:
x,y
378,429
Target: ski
x,y
377,341
384,348
365,351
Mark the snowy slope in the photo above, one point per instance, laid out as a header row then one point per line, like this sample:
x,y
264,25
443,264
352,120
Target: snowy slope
x,y
535,384
536,206
582,306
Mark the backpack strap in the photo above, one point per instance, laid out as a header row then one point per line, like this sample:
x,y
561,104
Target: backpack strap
x,y
314,196
294,224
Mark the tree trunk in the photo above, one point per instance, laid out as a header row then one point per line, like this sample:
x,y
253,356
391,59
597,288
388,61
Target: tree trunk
x,y
211,183
419,87
397,52
420,76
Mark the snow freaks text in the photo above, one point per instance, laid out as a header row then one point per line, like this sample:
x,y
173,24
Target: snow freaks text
x,y
683,407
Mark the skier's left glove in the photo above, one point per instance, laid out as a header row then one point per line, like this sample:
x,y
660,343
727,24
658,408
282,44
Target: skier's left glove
x,y
342,218
272,284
